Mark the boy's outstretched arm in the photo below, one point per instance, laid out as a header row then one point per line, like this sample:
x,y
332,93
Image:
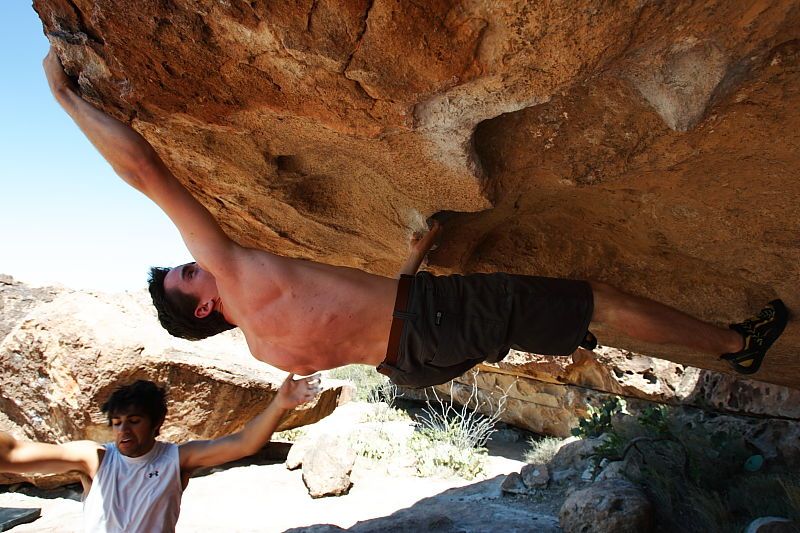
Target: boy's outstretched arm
x,y
419,246
136,162
256,433
25,457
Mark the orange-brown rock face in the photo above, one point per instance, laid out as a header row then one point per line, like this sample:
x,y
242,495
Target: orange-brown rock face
x,y
652,145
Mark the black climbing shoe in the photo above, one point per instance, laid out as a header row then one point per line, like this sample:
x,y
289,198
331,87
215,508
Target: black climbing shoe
x,y
589,341
759,333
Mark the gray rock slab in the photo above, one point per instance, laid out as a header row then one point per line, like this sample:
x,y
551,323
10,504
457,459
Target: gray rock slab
x,y
611,506
10,516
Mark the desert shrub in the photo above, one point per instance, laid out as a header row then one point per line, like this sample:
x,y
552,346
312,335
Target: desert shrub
x,y
542,449
655,419
684,505
289,435
383,397
600,418
377,446
451,438
443,450
383,412
383,392
463,425
766,495
366,380
436,454
610,449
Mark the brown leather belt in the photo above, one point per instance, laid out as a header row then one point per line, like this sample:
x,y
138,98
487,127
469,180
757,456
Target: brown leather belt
x,y
396,331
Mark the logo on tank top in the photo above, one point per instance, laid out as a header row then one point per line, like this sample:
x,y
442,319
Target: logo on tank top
x,y
152,474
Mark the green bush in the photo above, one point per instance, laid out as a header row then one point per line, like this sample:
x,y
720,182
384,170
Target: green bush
x,y
435,454
383,412
656,419
600,418
377,447
289,435
366,380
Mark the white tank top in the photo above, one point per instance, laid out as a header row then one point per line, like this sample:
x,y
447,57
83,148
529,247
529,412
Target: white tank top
x,y
135,494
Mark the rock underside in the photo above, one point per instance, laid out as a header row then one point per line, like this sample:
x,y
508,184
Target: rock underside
x,y
549,395
652,145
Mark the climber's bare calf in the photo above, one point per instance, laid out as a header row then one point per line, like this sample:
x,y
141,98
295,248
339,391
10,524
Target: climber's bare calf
x,y
649,321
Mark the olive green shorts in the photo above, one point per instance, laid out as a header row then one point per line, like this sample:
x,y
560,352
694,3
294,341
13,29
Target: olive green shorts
x,y
452,323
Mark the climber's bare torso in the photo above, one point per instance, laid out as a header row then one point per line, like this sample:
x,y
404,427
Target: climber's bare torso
x,y
302,316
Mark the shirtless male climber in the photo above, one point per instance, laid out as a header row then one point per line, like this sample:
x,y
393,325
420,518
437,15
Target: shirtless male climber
x,y
135,483
419,330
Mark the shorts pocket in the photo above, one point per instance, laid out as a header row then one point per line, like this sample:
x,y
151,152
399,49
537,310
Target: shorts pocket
x,y
462,337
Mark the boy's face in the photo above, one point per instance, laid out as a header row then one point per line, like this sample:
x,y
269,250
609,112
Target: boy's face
x,y
134,432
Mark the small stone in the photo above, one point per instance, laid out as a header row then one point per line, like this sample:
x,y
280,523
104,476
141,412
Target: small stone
x,y
588,472
613,470
535,476
327,466
559,476
513,484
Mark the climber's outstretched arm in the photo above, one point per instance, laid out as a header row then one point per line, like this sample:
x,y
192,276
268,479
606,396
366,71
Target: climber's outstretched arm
x,y
136,162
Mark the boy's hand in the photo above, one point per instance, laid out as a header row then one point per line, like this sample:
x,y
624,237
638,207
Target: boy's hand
x,y
295,392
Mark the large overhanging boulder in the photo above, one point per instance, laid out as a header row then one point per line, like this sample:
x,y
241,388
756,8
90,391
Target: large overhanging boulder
x,y
64,357
652,145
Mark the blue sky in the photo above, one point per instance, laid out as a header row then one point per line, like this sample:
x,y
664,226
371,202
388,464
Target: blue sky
x,y
65,217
